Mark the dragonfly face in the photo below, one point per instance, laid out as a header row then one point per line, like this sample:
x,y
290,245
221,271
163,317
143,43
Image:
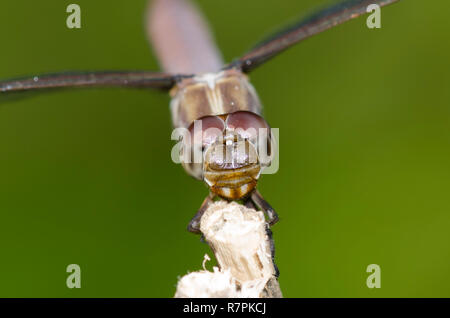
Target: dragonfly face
x,y
229,148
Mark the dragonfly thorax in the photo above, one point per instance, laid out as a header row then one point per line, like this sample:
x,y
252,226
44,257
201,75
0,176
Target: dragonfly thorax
x,y
212,94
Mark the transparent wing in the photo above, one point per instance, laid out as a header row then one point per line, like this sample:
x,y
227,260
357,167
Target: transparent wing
x,y
306,27
47,82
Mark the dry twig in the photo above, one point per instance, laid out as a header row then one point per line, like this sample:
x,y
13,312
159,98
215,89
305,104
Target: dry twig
x,y
241,242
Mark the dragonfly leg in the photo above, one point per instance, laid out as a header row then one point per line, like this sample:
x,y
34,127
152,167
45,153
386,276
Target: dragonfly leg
x,y
252,205
194,224
265,207
272,250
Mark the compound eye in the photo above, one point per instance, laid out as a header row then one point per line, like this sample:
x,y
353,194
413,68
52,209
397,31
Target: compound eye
x,y
246,124
206,130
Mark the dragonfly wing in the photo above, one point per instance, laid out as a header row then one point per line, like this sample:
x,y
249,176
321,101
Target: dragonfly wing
x,y
47,82
306,27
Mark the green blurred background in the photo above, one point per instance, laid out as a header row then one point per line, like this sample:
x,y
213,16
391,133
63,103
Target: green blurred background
x,y
364,118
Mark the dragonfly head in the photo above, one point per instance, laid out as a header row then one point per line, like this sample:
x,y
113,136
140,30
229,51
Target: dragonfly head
x,y
228,148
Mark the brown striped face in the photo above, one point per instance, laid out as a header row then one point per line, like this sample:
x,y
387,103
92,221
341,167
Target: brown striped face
x,y
228,148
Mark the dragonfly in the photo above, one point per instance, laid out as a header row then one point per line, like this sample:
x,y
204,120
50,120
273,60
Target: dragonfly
x,y
205,90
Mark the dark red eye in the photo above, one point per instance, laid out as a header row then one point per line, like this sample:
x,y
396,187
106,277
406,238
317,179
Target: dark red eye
x,y
246,123
205,130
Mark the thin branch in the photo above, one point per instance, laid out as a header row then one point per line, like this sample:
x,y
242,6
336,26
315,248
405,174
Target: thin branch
x,y
241,243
